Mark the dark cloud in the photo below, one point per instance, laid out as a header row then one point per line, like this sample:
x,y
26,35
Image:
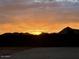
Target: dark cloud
x,y
13,10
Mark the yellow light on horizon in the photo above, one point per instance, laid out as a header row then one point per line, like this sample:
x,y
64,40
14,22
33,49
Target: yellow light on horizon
x,y
36,33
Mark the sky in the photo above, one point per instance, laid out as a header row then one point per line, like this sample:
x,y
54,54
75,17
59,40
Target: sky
x,y
38,15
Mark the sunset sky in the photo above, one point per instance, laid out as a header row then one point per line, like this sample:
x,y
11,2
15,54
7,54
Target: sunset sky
x,y
37,15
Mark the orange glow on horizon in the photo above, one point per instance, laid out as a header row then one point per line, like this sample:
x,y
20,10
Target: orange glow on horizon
x,y
36,28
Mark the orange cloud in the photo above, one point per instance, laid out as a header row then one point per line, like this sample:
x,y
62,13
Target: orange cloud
x,y
36,27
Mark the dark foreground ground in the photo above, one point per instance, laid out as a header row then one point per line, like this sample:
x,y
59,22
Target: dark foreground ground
x,y
39,53
7,52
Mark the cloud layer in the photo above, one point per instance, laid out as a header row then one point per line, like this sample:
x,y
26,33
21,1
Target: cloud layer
x,y
26,14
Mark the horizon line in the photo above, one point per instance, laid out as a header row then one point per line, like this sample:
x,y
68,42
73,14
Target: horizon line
x,y
37,33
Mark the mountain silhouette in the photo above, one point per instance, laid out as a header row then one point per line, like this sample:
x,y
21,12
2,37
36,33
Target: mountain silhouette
x,y
69,30
66,30
66,37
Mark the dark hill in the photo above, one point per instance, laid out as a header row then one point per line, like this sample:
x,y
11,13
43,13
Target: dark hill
x,y
69,30
67,37
66,30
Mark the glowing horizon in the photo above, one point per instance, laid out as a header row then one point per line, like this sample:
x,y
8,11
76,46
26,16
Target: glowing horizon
x,y
38,30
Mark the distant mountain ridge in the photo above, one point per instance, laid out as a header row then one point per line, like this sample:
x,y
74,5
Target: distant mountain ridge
x,y
66,37
69,30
